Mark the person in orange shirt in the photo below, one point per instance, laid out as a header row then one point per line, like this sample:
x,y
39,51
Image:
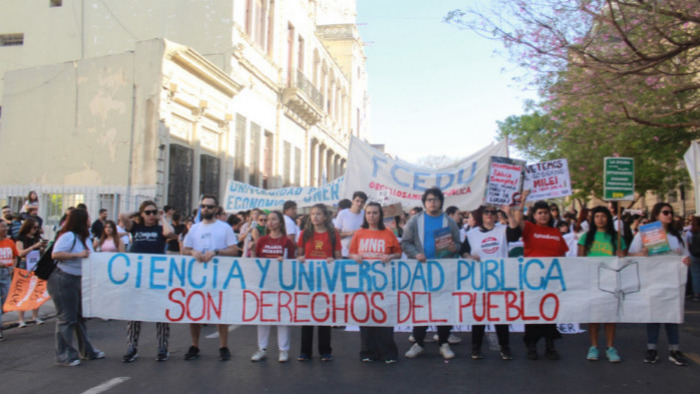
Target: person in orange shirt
x,y
371,242
8,257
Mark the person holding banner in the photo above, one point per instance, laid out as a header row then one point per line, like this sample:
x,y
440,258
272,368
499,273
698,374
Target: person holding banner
x,y
149,232
204,241
373,241
275,244
419,242
601,240
30,247
64,287
541,239
490,241
318,241
8,256
663,212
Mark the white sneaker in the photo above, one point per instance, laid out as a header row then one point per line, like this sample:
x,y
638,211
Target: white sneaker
x,y
284,356
415,351
446,352
39,321
453,339
259,355
427,339
22,324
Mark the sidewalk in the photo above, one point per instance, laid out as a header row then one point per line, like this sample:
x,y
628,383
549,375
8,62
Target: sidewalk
x,y
46,312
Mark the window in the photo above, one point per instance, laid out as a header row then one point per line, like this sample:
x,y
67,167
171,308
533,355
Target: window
x,y
287,164
56,3
209,171
180,177
297,166
8,40
268,155
256,142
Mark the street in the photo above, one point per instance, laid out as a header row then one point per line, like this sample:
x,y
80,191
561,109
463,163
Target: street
x,y
27,365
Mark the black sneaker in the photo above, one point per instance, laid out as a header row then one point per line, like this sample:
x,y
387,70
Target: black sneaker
x,y
678,358
651,356
303,357
130,356
192,353
163,355
506,354
224,354
531,351
326,357
476,353
551,353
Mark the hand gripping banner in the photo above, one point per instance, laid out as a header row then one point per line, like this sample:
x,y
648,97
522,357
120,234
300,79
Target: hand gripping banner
x,y
165,288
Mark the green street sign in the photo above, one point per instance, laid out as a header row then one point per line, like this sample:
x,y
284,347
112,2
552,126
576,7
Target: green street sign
x,y
619,179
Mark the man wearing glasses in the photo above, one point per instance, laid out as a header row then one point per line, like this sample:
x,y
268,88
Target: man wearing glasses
x,y
418,243
204,241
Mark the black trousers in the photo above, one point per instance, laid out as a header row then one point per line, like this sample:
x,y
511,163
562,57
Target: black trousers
x,y
324,340
443,334
502,331
378,343
533,332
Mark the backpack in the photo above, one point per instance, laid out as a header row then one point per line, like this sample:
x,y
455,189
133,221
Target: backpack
x,y
694,246
46,264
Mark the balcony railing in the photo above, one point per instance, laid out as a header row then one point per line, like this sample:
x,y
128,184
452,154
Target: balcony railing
x,y
303,83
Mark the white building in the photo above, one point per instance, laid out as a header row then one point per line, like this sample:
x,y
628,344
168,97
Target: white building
x,y
114,101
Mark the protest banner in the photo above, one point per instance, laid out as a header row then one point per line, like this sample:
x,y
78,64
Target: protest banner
x,y
618,177
27,292
372,172
654,238
402,292
505,181
241,196
548,179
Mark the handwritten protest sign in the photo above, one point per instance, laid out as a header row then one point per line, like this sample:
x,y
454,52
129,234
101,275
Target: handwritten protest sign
x,y
548,179
462,183
27,292
505,181
242,196
402,292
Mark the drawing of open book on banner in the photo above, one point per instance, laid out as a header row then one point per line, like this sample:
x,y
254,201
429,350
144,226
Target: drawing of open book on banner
x,y
619,282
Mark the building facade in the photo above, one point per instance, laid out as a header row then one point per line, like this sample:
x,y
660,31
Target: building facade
x,y
172,98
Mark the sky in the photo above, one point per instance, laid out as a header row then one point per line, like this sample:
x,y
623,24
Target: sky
x,y
434,89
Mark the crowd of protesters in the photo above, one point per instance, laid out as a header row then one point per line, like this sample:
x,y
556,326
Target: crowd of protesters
x,y
356,230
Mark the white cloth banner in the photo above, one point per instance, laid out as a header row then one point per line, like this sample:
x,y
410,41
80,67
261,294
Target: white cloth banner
x,y
242,196
169,288
463,183
548,179
692,163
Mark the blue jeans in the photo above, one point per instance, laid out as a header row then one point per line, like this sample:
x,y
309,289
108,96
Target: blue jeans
x,y
672,332
695,275
66,292
5,281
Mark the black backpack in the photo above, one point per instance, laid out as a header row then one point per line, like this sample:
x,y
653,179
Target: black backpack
x,y
46,264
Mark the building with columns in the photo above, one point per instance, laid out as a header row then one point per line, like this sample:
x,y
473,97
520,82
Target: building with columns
x,y
123,100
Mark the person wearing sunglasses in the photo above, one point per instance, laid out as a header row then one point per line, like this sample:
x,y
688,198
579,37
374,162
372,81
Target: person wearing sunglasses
x,y
149,234
490,241
663,212
205,240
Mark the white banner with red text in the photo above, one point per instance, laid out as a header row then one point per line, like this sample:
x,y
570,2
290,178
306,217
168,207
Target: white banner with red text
x,y
178,289
375,173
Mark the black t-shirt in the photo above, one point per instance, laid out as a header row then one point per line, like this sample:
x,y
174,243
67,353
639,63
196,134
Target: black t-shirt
x,y
147,239
174,244
97,228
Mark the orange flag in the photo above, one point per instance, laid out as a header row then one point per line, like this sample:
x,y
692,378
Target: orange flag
x,y
27,292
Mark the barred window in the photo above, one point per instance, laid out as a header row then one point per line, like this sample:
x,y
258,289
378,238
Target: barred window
x,y
8,40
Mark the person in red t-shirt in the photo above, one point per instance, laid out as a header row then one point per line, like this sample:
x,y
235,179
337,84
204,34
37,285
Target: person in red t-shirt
x,y
318,241
8,257
541,239
373,241
275,244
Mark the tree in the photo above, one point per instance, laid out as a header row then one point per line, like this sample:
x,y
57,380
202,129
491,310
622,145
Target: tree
x,y
641,59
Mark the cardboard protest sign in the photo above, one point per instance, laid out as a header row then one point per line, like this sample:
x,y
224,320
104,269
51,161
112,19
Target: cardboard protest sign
x,y
548,179
505,181
618,178
378,175
230,290
242,196
27,292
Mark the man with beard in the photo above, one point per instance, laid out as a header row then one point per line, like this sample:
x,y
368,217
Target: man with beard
x,y
206,239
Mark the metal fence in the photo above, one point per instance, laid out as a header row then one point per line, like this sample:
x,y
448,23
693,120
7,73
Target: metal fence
x,y
55,200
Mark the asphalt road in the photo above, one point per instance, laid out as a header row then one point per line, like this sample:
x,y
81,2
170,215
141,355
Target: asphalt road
x,y
27,366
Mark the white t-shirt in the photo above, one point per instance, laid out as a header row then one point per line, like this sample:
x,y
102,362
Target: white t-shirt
x,y
291,226
488,245
205,237
68,243
124,238
348,221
